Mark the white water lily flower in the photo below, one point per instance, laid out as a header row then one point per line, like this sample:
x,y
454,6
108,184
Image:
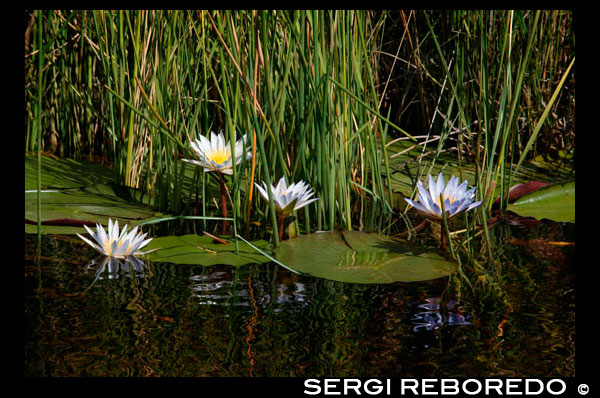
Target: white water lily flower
x,y
456,198
288,198
115,244
215,154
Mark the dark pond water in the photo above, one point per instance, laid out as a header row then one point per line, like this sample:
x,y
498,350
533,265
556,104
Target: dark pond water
x,y
160,319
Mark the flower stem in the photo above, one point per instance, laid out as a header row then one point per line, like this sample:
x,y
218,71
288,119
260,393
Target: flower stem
x,y
444,226
443,237
251,185
280,219
223,205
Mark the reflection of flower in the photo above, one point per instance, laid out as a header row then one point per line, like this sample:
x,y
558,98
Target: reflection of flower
x,y
114,244
436,315
113,265
456,198
215,154
288,198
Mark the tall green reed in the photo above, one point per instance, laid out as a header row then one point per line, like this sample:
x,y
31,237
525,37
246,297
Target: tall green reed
x,y
40,57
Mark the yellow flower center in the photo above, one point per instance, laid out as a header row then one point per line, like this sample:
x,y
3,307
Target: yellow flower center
x,y
107,246
219,156
451,198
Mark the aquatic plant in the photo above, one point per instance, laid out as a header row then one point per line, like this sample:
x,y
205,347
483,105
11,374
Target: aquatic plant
x,y
442,201
287,199
115,244
456,198
215,155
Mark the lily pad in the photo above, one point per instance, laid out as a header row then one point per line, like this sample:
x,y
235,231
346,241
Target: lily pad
x,y
555,202
65,173
358,257
201,250
96,203
81,191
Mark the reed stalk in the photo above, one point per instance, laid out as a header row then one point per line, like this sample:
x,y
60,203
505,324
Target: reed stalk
x,y
224,213
40,57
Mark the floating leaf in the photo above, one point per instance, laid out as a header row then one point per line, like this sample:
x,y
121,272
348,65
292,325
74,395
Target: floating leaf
x,y
96,203
201,250
79,191
555,202
519,190
359,257
65,173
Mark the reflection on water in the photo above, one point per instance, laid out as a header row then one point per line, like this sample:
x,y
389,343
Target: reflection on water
x,y
160,319
217,288
115,267
434,316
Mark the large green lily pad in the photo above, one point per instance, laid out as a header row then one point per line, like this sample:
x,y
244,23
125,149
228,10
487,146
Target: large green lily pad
x,y
200,250
358,257
555,202
65,173
96,203
82,191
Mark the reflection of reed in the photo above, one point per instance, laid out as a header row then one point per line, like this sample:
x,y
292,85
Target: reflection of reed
x,y
221,288
225,306
249,327
336,327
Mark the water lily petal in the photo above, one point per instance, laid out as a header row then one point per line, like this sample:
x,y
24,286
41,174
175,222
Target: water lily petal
x,y
454,208
422,191
461,190
451,188
439,187
305,203
122,248
432,187
474,204
470,194
281,187
239,150
95,235
262,191
427,212
427,201
114,231
195,162
89,242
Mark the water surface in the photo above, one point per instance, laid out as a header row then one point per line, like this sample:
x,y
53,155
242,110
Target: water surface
x,y
162,319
